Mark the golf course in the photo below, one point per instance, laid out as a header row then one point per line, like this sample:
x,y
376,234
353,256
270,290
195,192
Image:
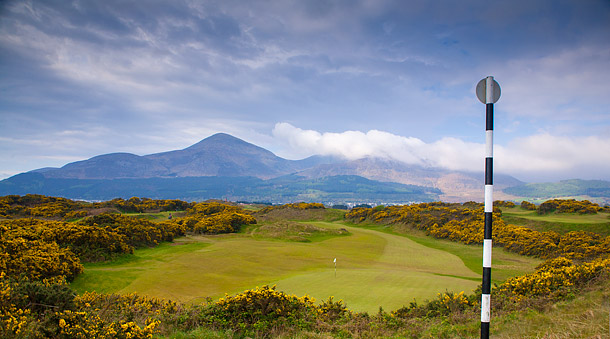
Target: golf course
x,y
374,268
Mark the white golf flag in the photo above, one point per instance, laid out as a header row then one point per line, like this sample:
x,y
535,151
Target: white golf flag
x,y
335,260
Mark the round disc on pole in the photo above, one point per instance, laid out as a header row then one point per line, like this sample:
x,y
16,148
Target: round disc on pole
x,y
482,90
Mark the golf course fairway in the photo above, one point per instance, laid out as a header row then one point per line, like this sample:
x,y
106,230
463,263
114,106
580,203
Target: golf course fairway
x,y
373,269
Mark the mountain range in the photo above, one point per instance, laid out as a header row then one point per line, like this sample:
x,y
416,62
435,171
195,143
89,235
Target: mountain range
x,y
223,166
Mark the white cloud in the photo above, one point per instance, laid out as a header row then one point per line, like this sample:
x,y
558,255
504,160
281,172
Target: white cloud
x,y
546,156
537,156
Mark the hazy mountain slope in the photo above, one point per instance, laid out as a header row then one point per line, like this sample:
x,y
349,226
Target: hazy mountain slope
x,y
109,166
563,188
455,185
291,188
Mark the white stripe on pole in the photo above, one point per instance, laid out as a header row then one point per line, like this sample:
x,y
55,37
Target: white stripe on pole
x,y
487,253
485,309
489,144
489,200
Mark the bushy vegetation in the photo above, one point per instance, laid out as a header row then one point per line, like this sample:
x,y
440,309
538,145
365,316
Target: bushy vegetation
x,y
569,206
526,205
215,218
298,206
38,257
41,206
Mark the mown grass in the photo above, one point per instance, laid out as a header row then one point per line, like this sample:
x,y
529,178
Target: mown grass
x,y
561,223
373,267
110,277
505,264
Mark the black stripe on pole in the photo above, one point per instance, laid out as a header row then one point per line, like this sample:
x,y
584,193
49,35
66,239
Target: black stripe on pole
x,y
486,288
487,229
489,165
489,117
484,329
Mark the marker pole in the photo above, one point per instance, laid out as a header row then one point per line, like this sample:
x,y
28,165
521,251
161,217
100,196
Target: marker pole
x,y
490,98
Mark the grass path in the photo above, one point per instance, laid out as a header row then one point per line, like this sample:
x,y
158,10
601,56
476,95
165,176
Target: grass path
x,y
374,269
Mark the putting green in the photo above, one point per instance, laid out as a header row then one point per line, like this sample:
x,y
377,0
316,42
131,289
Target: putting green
x,y
403,271
373,269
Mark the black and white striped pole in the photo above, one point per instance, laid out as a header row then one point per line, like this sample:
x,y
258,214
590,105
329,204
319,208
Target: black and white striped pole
x,y
488,92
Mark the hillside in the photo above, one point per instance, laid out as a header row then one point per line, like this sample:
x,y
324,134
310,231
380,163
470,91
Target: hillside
x,y
290,188
223,166
563,188
456,186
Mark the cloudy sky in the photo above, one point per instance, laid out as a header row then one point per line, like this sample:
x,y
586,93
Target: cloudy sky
x,y
351,78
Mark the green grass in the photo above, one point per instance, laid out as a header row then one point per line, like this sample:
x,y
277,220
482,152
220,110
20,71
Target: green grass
x,y
295,231
505,264
561,223
584,316
156,216
373,268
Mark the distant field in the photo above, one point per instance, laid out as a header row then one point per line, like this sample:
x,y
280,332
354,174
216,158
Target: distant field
x,y
373,268
562,223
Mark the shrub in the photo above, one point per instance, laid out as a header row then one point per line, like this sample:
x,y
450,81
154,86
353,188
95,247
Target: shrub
x,y
260,310
526,205
37,259
553,278
568,206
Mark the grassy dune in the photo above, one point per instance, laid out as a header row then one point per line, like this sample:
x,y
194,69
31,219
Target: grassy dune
x,y
373,268
563,223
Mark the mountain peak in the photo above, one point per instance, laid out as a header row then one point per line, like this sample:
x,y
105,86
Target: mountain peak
x,y
223,139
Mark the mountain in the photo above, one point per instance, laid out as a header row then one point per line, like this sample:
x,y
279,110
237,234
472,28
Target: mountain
x,y
224,166
219,155
285,189
564,188
455,185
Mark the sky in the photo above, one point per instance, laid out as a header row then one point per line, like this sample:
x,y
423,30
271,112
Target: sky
x,y
350,78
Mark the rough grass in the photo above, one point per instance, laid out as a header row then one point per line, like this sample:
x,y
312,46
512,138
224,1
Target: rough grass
x,y
157,216
561,223
296,231
584,316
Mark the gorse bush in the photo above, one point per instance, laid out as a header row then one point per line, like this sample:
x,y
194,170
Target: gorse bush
x,y
215,218
137,232
554,278
298,206
36,205
37,259
569,206
445,304
526,205
261,309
